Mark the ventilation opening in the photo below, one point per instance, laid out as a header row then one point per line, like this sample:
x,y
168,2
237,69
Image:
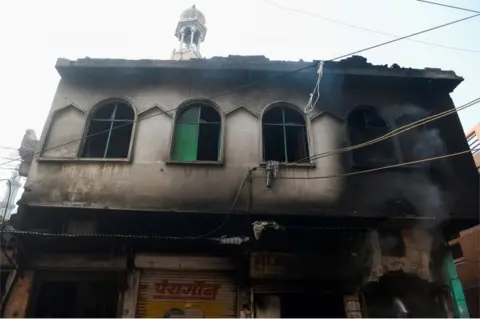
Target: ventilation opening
x,y
69,299
284,135
197,135
391,243
109,132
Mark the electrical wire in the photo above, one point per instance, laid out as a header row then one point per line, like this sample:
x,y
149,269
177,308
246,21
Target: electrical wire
x,y
234,205
262,81
154,237
368,29
388,135
448,6
379,168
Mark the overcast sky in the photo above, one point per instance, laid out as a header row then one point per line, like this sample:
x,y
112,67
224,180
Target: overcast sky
x,y
35,33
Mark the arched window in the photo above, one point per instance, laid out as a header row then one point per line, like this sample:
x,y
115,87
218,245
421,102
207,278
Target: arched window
x,y
109,131
284,135
364,125
197,134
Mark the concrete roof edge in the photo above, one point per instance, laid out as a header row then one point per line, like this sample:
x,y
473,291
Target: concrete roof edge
x,y
355,65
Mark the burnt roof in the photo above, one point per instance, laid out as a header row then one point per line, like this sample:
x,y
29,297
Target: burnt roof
x,y
354,66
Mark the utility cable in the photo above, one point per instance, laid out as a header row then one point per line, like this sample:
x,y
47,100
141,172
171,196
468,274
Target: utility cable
x,y
234,205
378,168
389,134
261,82
449,6
368,29
154,237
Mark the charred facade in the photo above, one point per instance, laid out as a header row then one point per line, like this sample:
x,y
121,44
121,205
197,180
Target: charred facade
x,y
154,193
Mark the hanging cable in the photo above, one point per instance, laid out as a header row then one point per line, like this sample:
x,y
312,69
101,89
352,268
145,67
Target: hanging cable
x,y
389,134
372,30
316,91
381,168
449,6
234,205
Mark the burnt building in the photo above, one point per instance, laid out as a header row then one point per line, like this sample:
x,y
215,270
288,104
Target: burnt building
x,y
193,187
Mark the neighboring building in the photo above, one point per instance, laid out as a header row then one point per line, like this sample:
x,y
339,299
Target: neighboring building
x,y
466,254
466,246
473,142
11,182
14,172
162,200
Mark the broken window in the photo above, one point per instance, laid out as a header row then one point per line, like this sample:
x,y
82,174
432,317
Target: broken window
x,y
284,135
197,135
364,125
109,131
391,243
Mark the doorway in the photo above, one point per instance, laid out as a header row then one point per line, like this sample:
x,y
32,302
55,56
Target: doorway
x,y
75,298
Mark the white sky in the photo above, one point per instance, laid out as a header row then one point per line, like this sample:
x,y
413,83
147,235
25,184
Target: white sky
x,y
34,34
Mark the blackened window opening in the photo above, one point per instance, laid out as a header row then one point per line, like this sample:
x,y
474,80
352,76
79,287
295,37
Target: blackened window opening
x,y
197,135
109,132
364,125
391,243
284,135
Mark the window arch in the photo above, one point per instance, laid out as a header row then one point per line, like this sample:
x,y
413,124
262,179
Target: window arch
x,y
197,134
365,124
109,131
284,135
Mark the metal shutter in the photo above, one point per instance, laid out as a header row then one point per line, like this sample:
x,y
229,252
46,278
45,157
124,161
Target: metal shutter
x,y
192,294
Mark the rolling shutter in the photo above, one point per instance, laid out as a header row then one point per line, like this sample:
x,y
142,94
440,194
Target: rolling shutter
x,y
191,294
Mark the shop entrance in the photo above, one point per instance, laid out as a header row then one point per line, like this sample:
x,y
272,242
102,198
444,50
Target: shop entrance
x,y
75,297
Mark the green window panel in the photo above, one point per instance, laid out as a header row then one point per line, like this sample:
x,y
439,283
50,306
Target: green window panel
x,y
197,135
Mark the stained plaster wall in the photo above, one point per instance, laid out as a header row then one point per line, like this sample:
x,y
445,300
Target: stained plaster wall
x,y
148,182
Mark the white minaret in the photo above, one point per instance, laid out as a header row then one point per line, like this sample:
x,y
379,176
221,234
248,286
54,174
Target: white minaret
x,y
191,31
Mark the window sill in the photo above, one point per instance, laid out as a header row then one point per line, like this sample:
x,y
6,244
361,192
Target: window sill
x,y
282,165
80,159
199,163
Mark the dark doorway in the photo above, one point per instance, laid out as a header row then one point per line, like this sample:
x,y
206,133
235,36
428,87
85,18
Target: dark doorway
x,y
303,305
75,299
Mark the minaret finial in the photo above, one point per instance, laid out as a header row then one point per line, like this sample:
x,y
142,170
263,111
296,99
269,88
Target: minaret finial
x,y
191,31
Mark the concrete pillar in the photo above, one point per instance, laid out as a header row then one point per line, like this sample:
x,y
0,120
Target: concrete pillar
x,y
129,305
192,35
182,36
